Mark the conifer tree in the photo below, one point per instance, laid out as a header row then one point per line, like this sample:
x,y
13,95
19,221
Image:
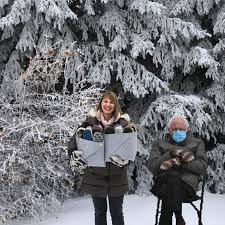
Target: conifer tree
x,y
38,112
162,57
167,57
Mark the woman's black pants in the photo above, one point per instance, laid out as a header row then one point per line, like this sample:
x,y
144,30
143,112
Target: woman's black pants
x,y
115,207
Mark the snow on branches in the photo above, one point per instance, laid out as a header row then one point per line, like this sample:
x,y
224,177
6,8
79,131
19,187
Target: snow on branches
x,y
197,109
145,6
216,172
35,128
200,57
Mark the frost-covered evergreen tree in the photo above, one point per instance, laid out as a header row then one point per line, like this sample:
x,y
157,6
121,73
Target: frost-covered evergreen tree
x,y
36,121
162,57
216,175
165,57
36,113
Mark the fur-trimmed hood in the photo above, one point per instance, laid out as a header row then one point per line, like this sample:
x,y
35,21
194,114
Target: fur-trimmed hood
x,y
95,113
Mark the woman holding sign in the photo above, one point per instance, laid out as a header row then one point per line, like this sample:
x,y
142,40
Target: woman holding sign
x,y
108,180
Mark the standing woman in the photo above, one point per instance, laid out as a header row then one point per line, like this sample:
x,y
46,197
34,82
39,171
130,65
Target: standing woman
x,y
110,181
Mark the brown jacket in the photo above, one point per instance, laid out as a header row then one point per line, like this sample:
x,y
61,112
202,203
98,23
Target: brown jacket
x,y
100,181
190,172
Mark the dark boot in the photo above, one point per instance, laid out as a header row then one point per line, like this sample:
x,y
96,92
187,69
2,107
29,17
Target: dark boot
x,y
165,218
180,220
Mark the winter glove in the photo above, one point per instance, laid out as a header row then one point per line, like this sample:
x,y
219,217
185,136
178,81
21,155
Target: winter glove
x,y
187,157
80,132
176,153
87,134
129,128
170,163
115,159
118,129
97,131
77,164
109,130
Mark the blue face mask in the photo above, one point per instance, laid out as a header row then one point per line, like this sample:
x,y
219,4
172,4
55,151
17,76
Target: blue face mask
x,y
179,136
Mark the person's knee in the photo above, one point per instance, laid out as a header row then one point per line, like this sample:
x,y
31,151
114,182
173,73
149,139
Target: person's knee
x,y
116,211
173,177
116,206
100,206
100,211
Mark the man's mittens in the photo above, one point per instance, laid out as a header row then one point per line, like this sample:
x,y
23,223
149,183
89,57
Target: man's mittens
x,y
77,164
170,163
187,156
167,164
176,153
176,161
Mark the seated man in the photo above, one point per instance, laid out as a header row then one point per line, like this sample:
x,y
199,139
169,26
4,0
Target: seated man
x,y
177,163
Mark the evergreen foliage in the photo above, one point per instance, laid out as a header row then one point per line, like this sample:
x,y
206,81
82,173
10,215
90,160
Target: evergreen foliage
x,y
162,57
216,176
36,122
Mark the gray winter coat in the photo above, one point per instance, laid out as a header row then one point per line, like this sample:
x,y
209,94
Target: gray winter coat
x,y
101,181
190,172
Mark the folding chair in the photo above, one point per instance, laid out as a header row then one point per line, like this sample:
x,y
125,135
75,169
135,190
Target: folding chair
x,y
190,201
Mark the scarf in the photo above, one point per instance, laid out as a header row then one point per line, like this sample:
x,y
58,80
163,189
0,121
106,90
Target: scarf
x,y
105,122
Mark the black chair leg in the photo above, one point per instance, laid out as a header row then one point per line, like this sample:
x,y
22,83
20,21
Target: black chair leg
x,y
157,212
199,222
200,218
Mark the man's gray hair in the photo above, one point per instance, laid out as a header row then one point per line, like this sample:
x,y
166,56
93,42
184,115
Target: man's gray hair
x,y
178,117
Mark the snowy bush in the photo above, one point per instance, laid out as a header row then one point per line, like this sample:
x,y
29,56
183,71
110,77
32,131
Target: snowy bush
x,y
37,118
216,170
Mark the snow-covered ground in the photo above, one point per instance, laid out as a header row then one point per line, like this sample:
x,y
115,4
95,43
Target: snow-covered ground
x,y
137,210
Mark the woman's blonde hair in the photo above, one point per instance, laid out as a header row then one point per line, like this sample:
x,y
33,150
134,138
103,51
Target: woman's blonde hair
x,y
112,96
